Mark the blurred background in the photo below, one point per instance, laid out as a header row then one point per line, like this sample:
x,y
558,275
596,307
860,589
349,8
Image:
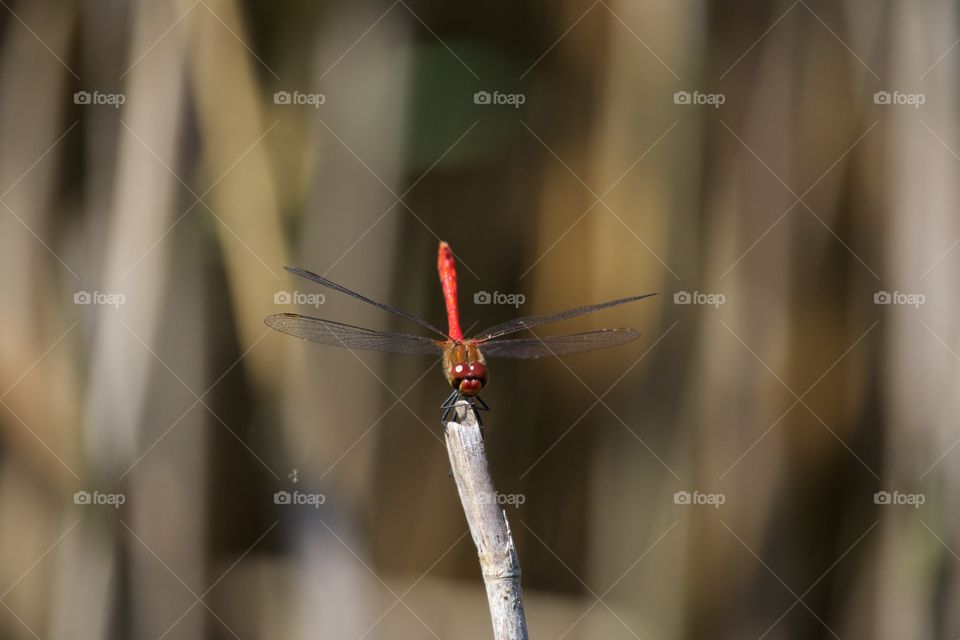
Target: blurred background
x,y
775,457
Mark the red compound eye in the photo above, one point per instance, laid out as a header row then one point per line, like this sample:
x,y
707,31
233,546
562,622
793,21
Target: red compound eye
x,y
478,370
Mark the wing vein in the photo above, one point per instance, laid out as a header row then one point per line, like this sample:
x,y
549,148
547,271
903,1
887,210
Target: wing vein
x,y
309,275
558,345
338,334
518,324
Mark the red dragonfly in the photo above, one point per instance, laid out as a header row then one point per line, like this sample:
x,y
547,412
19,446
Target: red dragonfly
x,y
464,359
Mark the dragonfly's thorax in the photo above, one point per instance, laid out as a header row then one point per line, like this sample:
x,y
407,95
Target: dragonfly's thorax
x,y
465,368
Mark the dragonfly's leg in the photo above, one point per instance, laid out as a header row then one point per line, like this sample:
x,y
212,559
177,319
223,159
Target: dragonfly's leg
x,y
478,405
449,402
476,412
448,405
483,405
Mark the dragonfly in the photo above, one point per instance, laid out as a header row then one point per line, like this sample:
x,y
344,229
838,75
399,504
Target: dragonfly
x,y
464,359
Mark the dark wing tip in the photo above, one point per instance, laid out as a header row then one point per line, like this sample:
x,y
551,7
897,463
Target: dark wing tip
x,y
274,320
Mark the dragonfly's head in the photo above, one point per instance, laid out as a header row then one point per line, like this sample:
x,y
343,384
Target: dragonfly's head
x,y
465,368
468,377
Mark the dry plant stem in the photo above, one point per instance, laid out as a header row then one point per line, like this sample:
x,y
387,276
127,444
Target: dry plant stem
x,y
488,525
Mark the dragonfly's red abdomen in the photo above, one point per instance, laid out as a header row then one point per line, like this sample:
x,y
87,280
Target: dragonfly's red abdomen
x,y
448,280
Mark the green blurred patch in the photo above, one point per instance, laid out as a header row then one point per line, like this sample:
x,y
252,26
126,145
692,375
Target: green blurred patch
x,y
443,108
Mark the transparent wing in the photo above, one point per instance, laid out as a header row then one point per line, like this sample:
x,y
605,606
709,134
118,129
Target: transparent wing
x,y
338,334
309,275
519,324
557,345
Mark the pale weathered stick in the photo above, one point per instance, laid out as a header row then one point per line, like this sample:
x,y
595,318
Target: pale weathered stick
x,y
488,525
